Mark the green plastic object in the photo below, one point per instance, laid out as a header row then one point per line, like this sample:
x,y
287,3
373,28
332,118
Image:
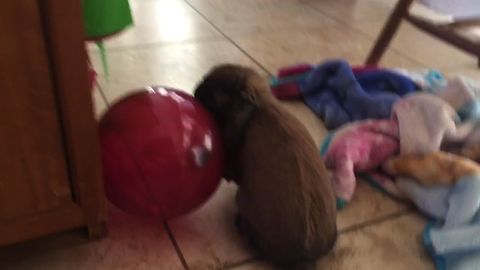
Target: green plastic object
x,y
106,17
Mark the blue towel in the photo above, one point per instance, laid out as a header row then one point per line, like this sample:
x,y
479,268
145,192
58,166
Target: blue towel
x,y
454,239
337,96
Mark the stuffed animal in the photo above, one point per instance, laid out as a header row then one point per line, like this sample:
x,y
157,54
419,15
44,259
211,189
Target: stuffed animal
x,y
434,168
358,147
285,199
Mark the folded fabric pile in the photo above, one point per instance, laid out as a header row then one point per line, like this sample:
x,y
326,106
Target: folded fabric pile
x,y
378,116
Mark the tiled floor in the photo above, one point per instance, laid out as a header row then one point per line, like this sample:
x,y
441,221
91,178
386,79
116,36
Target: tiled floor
x,y
174,43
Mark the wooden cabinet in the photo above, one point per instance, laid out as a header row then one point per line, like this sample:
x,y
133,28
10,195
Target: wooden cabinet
x,y
50,178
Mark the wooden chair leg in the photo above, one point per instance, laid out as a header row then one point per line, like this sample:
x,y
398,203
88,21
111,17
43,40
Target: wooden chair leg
x,y
388,31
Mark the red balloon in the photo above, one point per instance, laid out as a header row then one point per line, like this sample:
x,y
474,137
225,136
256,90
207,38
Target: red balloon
x,y
161,153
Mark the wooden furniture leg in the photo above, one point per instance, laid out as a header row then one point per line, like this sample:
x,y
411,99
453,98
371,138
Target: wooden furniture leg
x,y
80,127
388,31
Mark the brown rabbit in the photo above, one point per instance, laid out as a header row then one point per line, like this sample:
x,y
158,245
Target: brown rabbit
x,y
435,168
285,199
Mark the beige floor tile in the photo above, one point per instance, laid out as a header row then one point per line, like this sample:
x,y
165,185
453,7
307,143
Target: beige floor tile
x,y
275,50
421,47
351,12
132,243
180,66
252,16
162,21
207,237
368,204
393,245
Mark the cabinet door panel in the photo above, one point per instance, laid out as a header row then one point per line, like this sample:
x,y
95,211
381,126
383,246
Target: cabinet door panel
x,y
33,170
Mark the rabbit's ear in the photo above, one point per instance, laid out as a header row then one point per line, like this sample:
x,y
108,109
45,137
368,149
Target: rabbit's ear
x,y
238,122
257,89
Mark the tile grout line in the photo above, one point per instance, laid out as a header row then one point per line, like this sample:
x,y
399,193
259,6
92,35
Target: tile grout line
x,y
176,246
376,221
365,35
230,39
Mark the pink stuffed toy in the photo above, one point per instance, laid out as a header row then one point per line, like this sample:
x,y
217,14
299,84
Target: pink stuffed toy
x,y
358,147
